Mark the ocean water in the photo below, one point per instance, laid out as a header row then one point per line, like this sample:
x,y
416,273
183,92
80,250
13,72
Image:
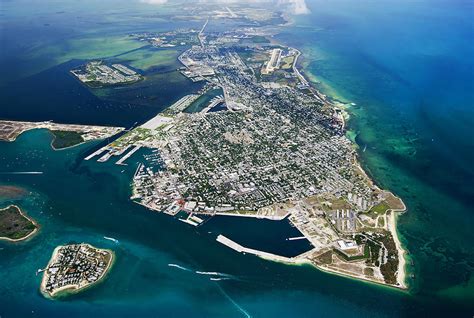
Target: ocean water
x,y
406,64
163,267
408,67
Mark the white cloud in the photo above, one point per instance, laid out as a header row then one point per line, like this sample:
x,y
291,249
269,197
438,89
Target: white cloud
x,y
154,1
296,6
300,7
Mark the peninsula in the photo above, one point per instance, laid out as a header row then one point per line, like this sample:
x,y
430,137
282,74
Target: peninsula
x,y
15,225
64,135
75,267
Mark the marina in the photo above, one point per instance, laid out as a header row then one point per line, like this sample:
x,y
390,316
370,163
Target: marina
x,y
128,155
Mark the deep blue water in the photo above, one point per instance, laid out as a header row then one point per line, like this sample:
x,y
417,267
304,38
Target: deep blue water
x,y
409,67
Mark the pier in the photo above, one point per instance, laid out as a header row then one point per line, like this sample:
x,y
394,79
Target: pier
x,y
128,155
296,238
96,153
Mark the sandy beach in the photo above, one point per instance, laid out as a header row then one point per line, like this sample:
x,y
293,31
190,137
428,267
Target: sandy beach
x,y
401,273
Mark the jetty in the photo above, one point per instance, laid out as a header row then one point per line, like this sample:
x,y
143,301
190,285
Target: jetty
x,y
265,255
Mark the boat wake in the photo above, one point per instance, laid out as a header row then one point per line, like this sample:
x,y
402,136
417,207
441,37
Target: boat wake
x,y
211,273
22,172
180,267
219,278
111,239
233,302
215,276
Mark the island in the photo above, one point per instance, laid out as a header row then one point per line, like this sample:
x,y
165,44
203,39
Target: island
x,y
15,225
98,74
75,267
271,146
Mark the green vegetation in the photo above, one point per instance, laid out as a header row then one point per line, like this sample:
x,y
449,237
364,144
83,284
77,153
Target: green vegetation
x,y
381,243
136,135
374,249
378,209
325,258
13,225
260,39
287,62
338,203
390,268
63,139
381,222
348,258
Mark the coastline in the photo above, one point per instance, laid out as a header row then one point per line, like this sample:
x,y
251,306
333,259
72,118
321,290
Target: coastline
x,y
43,280
401,272
300,260
30,235
359,278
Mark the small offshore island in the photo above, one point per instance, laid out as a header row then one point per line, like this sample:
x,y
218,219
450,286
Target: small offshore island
x,y
15,225
97,74
75,267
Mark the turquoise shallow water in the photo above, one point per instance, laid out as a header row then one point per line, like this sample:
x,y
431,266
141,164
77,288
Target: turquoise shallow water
x,y
158,257
411,78
408,67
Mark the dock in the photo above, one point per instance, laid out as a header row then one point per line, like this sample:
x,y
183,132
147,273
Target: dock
x,y
96,153
105,157
128,155
296,238
192,220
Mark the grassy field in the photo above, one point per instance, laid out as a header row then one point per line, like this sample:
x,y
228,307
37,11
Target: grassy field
x,y
13,225
378,209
